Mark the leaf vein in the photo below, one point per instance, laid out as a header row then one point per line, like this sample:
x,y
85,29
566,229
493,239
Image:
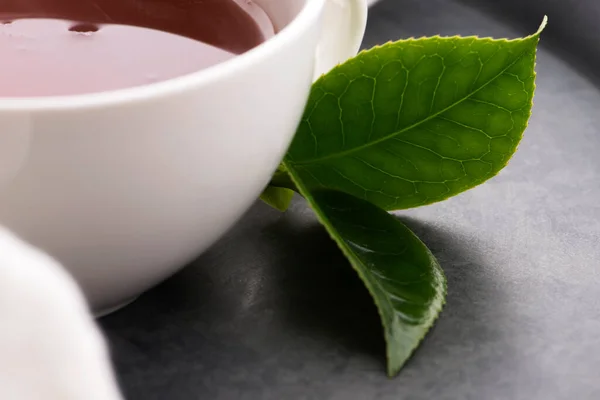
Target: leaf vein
x,y
418,123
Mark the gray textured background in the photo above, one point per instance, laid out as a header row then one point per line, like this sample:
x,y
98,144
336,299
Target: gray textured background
x,y
274,312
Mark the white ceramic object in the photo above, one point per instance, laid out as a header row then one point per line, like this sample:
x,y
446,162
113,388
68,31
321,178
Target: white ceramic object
x,y
50,345
126,187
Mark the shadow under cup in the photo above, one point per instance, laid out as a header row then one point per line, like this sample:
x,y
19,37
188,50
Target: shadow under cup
x,y
126,187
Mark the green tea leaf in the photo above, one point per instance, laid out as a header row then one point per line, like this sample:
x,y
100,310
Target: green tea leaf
x,y
280,191
278,198
401,274
416,121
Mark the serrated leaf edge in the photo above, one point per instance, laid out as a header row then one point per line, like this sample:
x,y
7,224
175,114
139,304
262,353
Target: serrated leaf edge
x,y
416,39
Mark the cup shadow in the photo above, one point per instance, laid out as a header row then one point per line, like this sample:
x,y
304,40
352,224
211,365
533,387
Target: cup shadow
x,y
328,301
325,298
276,297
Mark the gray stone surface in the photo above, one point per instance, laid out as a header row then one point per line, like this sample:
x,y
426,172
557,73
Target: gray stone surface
x,y
273,311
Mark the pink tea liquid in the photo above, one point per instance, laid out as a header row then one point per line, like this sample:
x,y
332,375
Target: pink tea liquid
x,y
67,47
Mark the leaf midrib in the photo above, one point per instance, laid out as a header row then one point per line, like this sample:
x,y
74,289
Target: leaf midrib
x,y
408,128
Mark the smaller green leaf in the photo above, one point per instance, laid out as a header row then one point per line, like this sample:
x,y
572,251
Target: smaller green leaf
x,y
277,197
403,277
280,191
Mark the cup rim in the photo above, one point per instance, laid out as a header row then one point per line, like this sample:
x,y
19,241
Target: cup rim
x,y
173,86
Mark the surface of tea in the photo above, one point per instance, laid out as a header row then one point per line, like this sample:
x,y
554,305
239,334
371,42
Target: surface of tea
x,y
65,47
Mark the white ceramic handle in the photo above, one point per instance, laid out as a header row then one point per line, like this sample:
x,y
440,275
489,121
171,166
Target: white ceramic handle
x,y
344,24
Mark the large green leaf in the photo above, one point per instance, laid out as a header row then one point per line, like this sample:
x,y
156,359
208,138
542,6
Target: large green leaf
x,y
416,121
401,274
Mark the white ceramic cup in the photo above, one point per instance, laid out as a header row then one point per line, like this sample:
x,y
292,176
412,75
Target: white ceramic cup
x,y
126,187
